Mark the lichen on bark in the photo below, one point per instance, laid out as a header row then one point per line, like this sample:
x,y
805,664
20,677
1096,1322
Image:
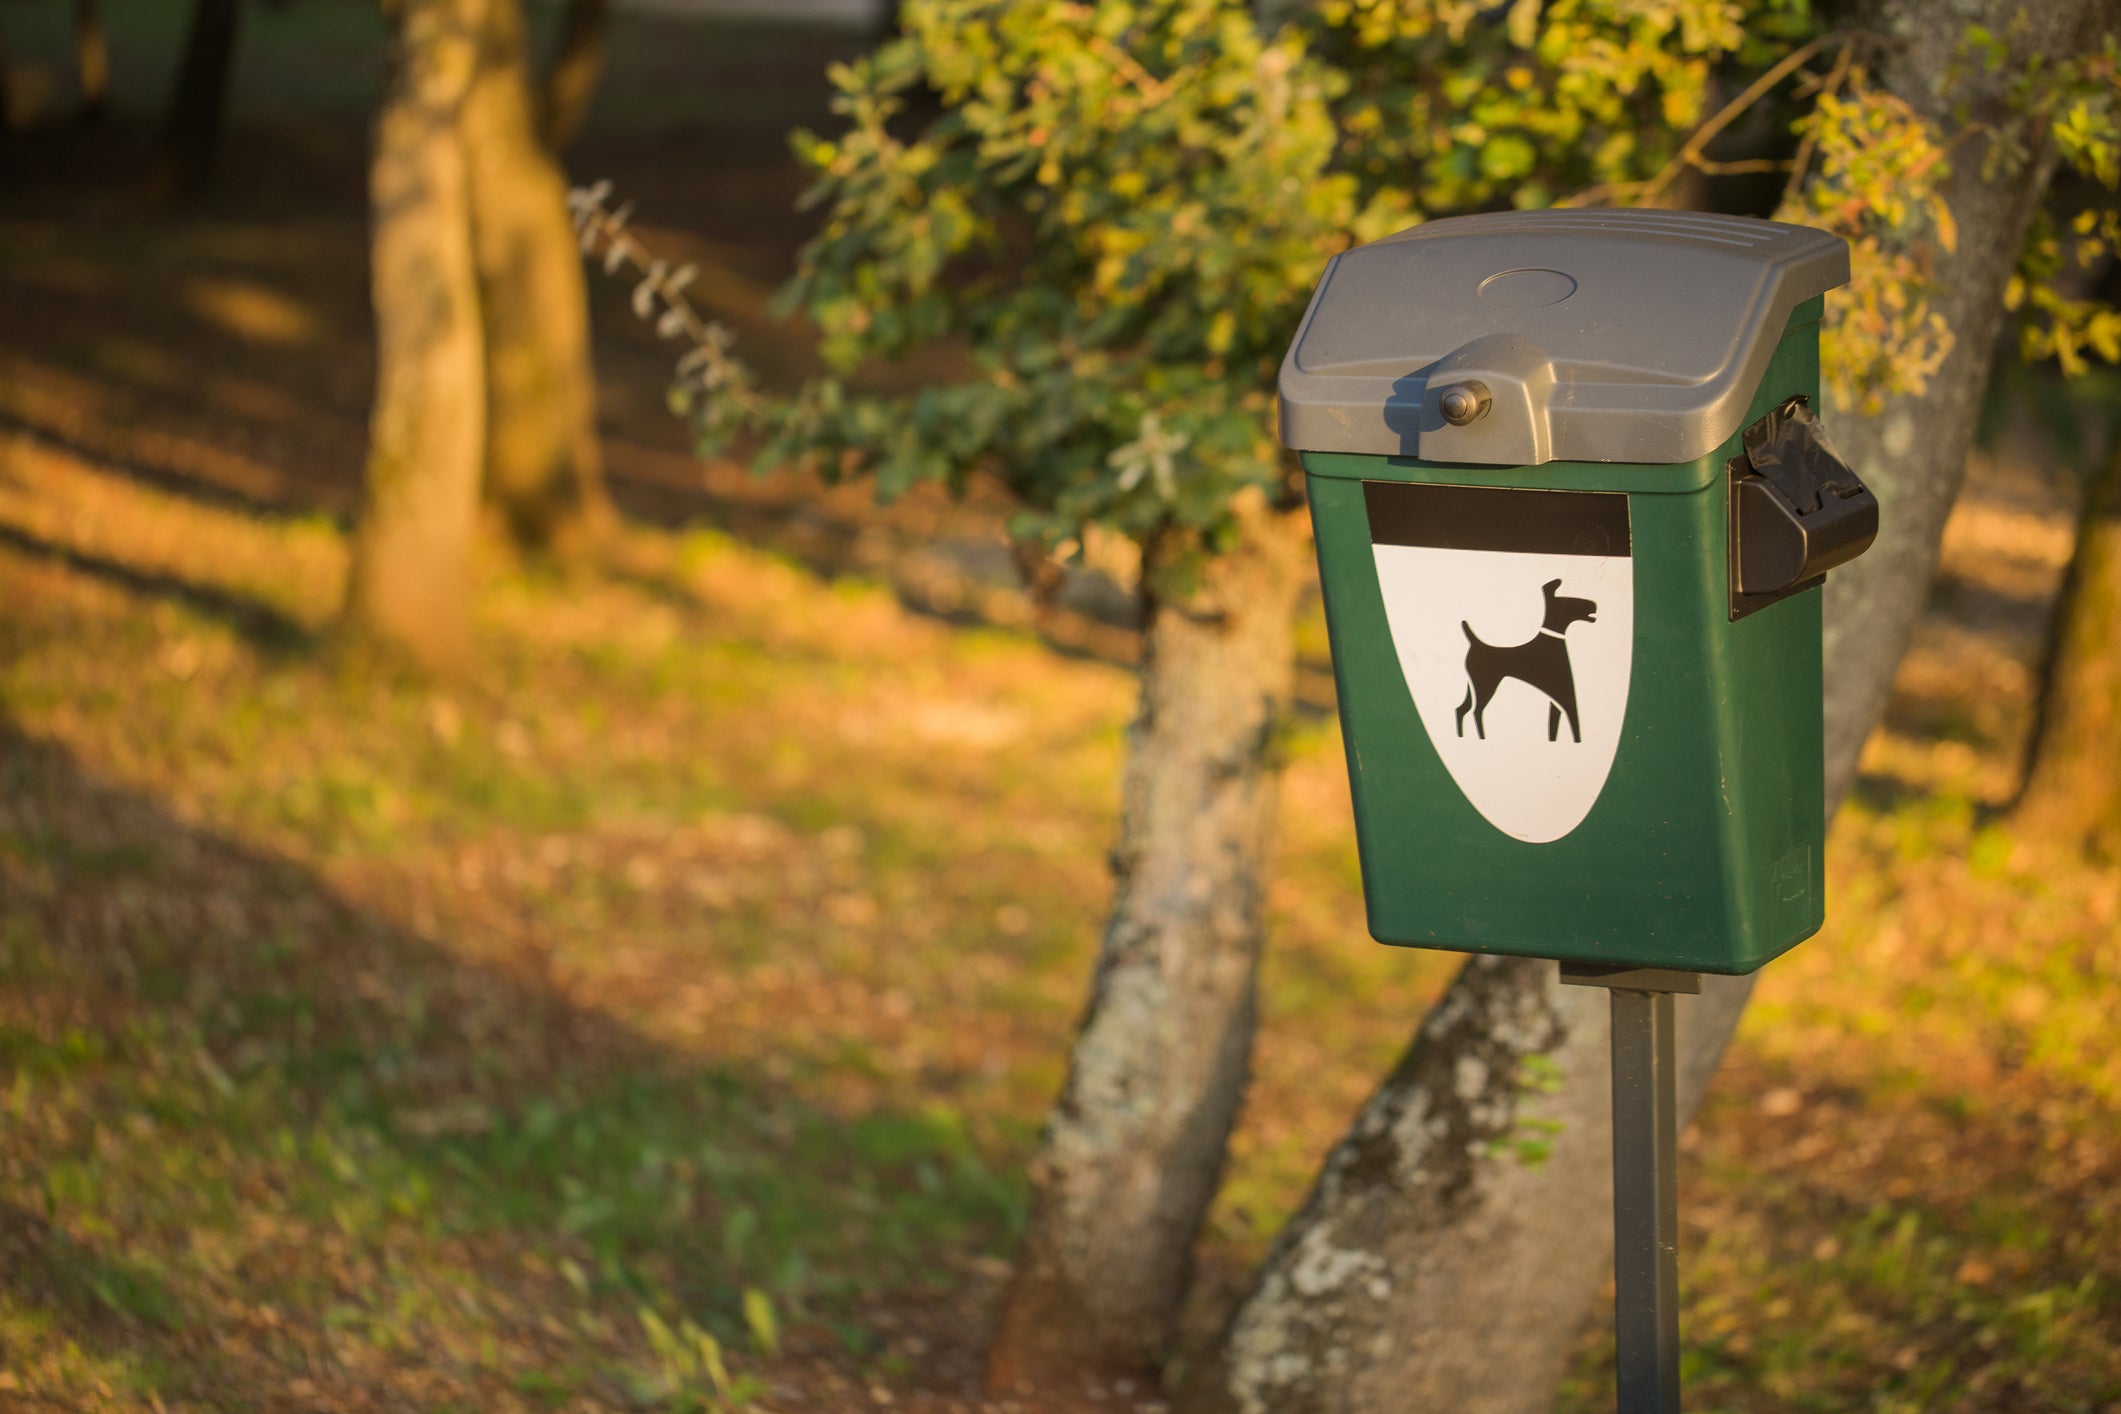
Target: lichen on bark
x,y
1134,1148
1352,1282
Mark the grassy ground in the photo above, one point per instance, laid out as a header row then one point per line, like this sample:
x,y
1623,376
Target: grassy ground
x,y
661,1015
720,936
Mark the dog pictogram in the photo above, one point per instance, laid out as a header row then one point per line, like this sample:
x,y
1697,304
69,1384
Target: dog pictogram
x,y
1541,662
1459,570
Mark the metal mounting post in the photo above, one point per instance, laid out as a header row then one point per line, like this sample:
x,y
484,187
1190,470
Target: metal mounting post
x,y
1645,1180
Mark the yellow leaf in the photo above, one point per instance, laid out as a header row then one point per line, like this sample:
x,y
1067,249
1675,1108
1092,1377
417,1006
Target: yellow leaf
x,y
1524,23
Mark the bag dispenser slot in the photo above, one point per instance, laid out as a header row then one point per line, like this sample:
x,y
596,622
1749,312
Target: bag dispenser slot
x,y
1797,510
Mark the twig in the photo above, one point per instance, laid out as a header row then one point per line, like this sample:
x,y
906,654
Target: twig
x,y
1750,164
1800,164
1756,90
707,368
1151,88
1690,155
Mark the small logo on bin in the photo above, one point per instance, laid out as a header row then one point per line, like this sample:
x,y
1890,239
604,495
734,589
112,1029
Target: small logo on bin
x,y
1514,609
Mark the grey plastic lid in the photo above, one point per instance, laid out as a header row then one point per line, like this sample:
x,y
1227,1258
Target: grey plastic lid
x,y
1622,336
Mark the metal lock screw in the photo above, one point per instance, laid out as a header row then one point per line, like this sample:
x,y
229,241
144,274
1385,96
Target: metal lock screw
x,y
1462,403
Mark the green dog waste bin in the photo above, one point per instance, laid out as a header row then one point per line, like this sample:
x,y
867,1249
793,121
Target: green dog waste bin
x,y
1571,502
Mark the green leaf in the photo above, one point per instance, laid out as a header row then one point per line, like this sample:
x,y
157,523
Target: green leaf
x,y
764,1325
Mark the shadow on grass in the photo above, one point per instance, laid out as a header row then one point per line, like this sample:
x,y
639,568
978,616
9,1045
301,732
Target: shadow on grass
x,y
1961,598
266,628
91,1288
223,1086
1883,794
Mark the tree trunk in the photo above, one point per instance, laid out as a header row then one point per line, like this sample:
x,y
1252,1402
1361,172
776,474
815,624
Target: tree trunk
x,y
191,129
544,472
1134,1148
1423,1275
91,60
2073,775
411,563
7,91
572,75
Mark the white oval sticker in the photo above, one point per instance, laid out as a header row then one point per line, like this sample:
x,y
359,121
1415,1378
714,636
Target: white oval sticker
x,y
1515,628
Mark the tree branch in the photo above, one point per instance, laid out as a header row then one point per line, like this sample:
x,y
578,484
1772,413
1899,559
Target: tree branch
x,y
1690,155
708,367
1800,165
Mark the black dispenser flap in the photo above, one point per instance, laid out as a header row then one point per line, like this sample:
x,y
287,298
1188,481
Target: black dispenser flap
x,y
1797,510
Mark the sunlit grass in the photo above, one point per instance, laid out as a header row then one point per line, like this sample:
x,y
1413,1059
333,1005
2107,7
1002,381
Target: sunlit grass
x,y
1903,1196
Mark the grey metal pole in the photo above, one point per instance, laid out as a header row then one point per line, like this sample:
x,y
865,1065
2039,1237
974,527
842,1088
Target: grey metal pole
x,y
1645,1178
1645,1203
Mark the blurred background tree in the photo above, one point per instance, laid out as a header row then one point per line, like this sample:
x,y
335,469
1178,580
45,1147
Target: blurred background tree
x,y
198,101
2072,782
91,60
2066,283
573,70
544,472
459,160
409,585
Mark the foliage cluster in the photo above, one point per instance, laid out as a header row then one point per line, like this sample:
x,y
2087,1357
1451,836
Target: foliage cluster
x,y
2082,110
1878,179
1875,171
1120,209
1557,99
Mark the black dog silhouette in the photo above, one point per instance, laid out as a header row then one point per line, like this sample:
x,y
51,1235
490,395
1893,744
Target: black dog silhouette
x,y
1543,662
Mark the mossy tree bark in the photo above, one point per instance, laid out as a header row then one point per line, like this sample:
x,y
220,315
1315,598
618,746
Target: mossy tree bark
x,y
1431,1268
544,470
1134,1147
198,103
2073,779
410,583
574,71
